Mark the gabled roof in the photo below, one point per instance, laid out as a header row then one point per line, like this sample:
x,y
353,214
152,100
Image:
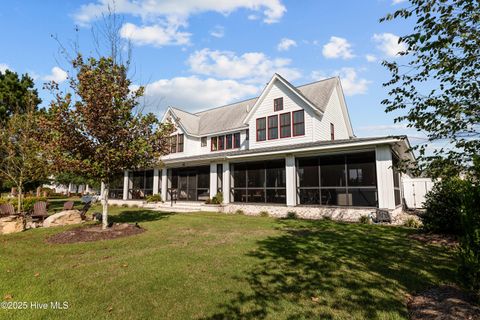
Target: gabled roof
x,y
233,116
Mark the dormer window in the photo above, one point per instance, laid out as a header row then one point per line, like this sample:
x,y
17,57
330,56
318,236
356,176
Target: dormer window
x,y
278,104
203,142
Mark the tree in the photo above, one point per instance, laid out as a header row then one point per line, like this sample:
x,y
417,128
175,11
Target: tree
x,y
21,158
17,95
65,178
437,90
100,134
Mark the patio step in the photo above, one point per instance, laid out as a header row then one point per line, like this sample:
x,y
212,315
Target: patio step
x,y
185,207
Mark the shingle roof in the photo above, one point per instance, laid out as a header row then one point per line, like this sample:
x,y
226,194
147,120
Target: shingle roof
x,y
232,116
286,148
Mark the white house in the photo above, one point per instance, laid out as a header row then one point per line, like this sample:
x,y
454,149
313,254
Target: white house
x,y
290,149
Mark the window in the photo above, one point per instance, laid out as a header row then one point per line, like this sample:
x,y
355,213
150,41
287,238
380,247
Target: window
x,y
214,143
203,141
278,104
173,144
285,130
298,123
247,135
236,140
396,181
332,131
272,127
341,180
261,129
221,142
229,142
219,177
141,184
180,143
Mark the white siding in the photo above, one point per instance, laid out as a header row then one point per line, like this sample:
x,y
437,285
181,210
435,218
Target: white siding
x,y
191,145
386,196
291,102
333,114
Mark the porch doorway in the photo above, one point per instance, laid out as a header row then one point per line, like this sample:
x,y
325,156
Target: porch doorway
x,y
191,184
187,186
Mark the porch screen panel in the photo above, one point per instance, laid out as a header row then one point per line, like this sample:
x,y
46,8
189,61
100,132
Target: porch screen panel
x,y
141,182
115,190
259,182
339,180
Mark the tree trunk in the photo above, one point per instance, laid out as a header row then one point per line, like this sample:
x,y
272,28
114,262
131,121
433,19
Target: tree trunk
x,y
19,197
104,193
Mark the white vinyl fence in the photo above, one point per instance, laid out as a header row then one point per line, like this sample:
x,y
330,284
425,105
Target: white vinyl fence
x,y
414,191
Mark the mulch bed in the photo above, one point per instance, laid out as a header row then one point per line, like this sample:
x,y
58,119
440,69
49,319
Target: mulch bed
x,y
442,303
437,239
95,233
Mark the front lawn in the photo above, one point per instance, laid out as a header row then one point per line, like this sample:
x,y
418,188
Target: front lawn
x,y
215,266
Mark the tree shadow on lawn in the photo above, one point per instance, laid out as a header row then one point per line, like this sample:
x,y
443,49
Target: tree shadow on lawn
x,y
325,270
131,216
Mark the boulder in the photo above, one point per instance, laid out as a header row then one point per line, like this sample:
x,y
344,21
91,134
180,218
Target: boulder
x,y
11,224
63,218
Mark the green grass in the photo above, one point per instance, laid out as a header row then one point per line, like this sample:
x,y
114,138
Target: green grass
x,y
214,266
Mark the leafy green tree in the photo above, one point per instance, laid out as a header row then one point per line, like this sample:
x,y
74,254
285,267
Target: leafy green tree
x,y
17,95
100,134
435,85
21,157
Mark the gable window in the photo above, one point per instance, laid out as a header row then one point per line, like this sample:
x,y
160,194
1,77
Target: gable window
x,y
228,141
221,142
214,144
261,129
298,123
247,135
273,127
285,129
173,144
236,140
332,131
180,143
203,141
278,104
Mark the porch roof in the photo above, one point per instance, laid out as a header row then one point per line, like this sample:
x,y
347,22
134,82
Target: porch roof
x,y
299,147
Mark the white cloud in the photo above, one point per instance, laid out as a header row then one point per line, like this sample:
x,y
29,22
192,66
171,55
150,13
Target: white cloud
x,y
337,48
58,75
285,44
156,35
371,58
253,67
193,93
351,83
149,10
218,32
388,44
4,66
394,2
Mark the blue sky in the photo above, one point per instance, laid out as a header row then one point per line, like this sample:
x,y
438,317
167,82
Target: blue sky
x,y
197,54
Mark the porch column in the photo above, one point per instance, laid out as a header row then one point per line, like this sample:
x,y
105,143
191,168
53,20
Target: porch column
x,y
213,179
125,185
291,181
386,195
164,184
226,182
155,181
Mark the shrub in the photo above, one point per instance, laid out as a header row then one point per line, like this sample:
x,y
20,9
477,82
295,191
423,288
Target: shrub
x,y
124,205
264,214
27,202
217,199
443,207
469,252
329,218
291,215
239,211
154,198
412,223
364,219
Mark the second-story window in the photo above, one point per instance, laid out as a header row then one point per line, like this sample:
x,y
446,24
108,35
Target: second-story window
x,y
332,131
173,144
203,141
221,142
285,128
236,140
273,127
228,141
298,123
180,143
247,135
214,143
278,104
261,129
